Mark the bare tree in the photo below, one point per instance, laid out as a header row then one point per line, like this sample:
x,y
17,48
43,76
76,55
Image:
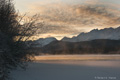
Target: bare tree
x,y
14,29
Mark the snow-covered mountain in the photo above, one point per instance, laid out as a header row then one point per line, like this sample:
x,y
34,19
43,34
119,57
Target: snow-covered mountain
x,y
107,33
43,41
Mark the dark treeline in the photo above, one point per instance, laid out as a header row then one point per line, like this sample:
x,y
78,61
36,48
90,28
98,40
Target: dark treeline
x,y
100,46
13,51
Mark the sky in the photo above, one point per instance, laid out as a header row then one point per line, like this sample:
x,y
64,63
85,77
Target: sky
x,y
71,17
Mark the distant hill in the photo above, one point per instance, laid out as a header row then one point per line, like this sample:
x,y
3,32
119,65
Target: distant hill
x,y
102,46
107,33
41,42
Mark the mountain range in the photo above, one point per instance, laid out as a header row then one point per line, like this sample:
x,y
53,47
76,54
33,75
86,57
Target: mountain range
x,y
104,41
107,33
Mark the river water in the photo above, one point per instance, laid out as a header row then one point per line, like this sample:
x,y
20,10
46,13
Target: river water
x,y
70,69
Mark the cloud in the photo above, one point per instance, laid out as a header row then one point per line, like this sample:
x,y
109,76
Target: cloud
x,y
98,15
62,18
